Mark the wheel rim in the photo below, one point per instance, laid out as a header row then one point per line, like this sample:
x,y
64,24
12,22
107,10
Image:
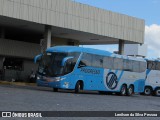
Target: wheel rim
x,y
158,92
79,87
147,91
123,91
130,90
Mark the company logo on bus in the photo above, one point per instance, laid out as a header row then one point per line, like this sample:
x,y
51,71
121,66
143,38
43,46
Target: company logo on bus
x,y
111,80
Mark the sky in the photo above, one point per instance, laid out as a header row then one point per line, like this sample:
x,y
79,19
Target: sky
x,y
149,10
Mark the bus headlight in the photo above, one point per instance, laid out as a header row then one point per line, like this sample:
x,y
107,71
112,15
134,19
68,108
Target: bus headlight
x,y
57,79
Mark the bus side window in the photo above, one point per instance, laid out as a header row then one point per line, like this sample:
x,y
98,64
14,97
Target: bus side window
x,y
108,62
118,63
151,65
97,61
127,65
142,66
136,66
158,66
87,59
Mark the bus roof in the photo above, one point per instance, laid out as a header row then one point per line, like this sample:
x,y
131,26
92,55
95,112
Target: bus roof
x,y
78,49
155,60
89,50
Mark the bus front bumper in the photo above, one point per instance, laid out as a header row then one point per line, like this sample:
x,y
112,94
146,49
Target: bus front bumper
x,y
48,84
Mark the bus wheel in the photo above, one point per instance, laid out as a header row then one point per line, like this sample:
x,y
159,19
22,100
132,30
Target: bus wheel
x,y
123,90
130,90
78,87
157,92
148,91
55,89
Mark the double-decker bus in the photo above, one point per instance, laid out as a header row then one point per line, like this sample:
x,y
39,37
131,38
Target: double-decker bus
x,y
77,68
152,83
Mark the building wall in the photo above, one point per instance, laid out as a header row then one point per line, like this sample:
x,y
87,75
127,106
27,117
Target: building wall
x,y
14,75
75,16
23,50
26,51
135,50
62,41
18,48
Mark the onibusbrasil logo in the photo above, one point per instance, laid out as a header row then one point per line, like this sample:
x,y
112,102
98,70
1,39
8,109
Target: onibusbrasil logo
x,y
111,80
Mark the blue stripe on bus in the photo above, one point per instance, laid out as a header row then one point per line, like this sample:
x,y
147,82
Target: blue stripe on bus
x,y
109,71
148,71
116,72
120,75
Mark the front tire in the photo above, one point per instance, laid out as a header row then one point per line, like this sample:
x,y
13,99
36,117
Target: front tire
x,y
78,87
123,90
147,91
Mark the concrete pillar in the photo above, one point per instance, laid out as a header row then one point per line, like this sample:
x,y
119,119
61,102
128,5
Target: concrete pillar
x,y
46,42
121,47
48,35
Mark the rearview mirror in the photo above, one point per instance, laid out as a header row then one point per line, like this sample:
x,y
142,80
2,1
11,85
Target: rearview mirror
x,y
38,57
65,59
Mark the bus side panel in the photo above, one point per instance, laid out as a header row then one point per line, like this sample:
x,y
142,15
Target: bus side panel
x,y
114,79
139,86
92,77
153,79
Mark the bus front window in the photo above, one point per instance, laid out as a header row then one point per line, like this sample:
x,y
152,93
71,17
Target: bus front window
x,y
51,64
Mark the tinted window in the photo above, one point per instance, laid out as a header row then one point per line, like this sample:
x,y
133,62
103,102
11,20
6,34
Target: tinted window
x,y
86,59
108,62
13,64
151,65
158,66
127,65
74,54
118,63
136,66
142,66
97,61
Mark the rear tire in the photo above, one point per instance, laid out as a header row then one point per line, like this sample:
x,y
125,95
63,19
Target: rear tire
x,y
130,90
147,91
78,87
123,90
157,92
55,89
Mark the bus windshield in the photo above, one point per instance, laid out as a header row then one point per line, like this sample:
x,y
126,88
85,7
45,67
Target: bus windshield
x,y
51,64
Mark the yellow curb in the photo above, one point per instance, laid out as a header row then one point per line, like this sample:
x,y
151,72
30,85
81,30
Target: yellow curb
x,y
5,82
17,83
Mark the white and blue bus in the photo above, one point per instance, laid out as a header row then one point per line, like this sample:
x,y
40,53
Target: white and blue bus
x,y
152,83
76,68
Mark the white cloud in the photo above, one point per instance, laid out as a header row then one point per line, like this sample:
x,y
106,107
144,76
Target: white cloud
x,y
152,38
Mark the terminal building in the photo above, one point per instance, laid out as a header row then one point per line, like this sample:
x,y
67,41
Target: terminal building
x,y
28,27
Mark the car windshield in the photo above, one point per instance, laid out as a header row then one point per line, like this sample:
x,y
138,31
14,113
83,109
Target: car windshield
x,y
51,64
